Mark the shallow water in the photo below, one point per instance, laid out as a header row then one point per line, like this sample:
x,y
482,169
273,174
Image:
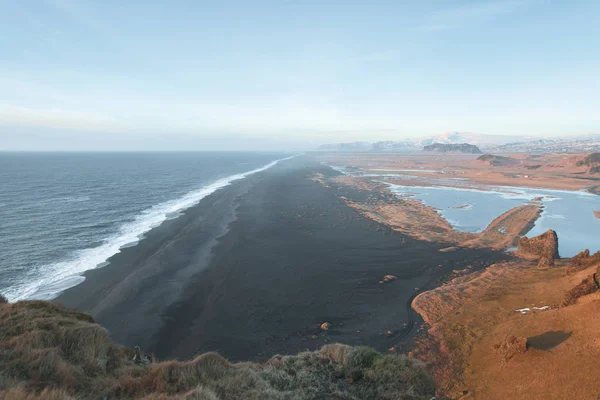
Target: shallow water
x,y
569,213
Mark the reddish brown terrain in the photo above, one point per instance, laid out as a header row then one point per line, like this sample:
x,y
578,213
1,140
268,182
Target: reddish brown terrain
x,y
412,218
526,328
565,171
471,318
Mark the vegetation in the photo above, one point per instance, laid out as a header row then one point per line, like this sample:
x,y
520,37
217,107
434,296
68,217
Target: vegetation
x,y
49,352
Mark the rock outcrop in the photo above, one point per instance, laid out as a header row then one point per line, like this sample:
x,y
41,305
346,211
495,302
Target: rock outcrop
x,y
325,326
590,160
510,346
543,248
452,148
587,286
496,161
582,261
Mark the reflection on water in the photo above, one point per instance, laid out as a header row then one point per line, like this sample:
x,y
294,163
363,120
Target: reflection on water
x,y
569,213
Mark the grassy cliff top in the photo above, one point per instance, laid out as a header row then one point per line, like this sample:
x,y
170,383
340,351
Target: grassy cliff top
x,y
49,352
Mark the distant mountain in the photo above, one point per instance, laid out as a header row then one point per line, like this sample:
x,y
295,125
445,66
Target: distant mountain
x,y
489,143
417,144
465,137
559,145
452,148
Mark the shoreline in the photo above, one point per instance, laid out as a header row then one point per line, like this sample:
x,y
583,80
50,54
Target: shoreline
x,y
557,172
256,267
128,234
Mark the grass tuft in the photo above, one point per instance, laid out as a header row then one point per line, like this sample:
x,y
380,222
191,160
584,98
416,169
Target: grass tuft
x,y
48,352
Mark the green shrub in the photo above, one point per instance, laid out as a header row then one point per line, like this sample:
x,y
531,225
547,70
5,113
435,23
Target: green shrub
x,y
363,357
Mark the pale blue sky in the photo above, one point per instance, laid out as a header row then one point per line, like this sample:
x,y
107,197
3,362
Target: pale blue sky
x,y
252,74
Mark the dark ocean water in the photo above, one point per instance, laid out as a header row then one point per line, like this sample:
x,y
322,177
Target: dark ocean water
x,y
64,213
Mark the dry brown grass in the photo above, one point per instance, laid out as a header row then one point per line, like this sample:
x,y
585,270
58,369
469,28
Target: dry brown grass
x,y
20,393
49,352
339,353
199,393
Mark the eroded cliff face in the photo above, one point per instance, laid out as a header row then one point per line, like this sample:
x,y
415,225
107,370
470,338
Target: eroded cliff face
x,y
582,261
490,331
587,286
543,248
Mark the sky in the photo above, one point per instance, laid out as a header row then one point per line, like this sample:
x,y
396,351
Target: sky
x,y
257,74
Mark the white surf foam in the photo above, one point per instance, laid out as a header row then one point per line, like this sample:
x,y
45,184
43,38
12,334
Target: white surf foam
x,y
340,169
63,275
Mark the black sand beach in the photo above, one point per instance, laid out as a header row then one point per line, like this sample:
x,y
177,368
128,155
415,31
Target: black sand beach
x,y
256,267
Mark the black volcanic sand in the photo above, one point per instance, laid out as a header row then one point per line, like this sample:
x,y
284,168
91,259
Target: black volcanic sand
x,y
256,267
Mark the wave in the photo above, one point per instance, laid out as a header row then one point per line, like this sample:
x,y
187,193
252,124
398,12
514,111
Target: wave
x,y
63,275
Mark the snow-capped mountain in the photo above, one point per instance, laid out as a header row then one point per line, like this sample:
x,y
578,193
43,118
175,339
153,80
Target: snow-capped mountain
x,y
488,143
558,145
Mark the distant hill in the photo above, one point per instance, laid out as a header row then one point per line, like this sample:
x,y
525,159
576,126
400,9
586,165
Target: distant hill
x,y
590,160
558,145
489,143
496,161
417,144
452,148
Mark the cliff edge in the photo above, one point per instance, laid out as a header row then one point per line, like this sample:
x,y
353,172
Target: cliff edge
x,y
50,352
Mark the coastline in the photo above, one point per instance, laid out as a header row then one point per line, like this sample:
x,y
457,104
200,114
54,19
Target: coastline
x,y
257,266
128,234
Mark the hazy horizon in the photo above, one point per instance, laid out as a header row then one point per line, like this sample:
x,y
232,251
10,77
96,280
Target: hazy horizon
x,y
276,75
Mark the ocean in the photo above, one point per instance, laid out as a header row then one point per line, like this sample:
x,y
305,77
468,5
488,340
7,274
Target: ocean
x,y
62,214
